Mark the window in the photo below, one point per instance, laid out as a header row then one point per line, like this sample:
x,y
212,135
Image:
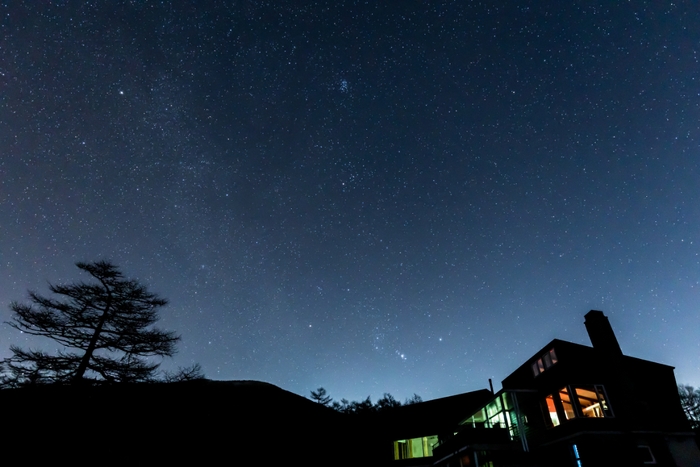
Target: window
x,y
593,402
568,407
414,447
577,401
559,407
499,413
553,356
538,367
552,409
544,362
547,360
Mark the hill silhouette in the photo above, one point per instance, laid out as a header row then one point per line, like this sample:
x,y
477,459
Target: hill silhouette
x,y
192,421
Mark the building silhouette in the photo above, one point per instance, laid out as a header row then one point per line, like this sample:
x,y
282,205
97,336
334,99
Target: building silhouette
x,y
568,405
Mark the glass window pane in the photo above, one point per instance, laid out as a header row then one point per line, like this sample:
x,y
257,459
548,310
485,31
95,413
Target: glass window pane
x,y
507,401
535,369
566,403
493,407
400,449
431,441
414,448
547,360
552,410
603,400
588,401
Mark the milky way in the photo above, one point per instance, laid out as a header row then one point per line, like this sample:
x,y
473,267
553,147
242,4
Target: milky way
x,y
404,197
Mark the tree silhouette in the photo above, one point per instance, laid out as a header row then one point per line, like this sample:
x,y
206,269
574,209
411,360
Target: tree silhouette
x,y
690,401
321,396
105,327
366,406
415,399
387,402
358,407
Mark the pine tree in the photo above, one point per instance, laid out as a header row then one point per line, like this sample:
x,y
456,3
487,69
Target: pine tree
x,y
105,327
321,396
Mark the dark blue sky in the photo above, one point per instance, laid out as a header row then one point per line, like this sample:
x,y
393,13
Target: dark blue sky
x,y
399,196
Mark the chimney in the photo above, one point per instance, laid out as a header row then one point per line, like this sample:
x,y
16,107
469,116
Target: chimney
x,y
601,333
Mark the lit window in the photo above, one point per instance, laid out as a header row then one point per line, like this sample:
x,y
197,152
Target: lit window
x,y
582,401
499,413
552,409
414,448
592,401
566,404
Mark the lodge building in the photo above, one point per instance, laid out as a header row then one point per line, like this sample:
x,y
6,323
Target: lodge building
x,y
568,405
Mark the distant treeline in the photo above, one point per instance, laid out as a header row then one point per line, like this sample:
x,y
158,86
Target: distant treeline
x,y
321,396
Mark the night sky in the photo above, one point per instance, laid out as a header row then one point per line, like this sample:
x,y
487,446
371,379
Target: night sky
x,y
369,196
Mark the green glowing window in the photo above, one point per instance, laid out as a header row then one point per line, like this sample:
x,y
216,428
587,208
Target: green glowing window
x,y
414,447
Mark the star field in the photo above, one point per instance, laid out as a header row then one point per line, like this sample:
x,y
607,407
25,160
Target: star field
x,y
400,196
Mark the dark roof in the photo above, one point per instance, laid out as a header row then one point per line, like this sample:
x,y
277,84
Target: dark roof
x,y
576,360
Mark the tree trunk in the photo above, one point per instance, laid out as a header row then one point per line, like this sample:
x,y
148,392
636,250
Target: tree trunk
x,y
80,372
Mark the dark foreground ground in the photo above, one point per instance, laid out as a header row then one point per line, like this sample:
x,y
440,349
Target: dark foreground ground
x,y
202,422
